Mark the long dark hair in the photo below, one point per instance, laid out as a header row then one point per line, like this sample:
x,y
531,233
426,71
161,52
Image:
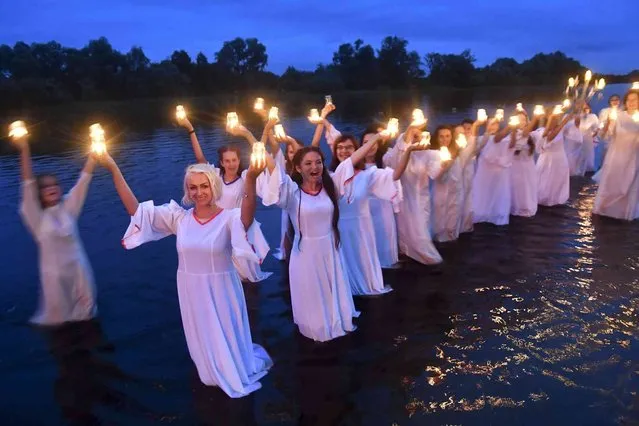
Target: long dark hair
x,y
382,148
341,139
530,141
452,147
627,95
39,178
328,185
288,164
228,148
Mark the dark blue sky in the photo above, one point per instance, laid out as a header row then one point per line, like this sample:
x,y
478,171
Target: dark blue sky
x,y
601,34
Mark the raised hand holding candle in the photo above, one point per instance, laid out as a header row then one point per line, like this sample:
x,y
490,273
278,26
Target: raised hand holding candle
x,y
566,103
513,121
329,99
314,117
601,84
259,104
499,114
481,115
180,112
273,114
557,110
635,116
279,131
461,141
588,76
519,107
539,110
425,139
98,140
613,114
635,85
392,128
571,82
444,154
232,120
258,155
418,118
18,130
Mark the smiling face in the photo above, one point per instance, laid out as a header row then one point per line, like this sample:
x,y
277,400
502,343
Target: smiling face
x,y
492,127
231,163
614,101
50,191
311,167
523,120
468,129
290,151
370,157
344,149
199,189
632,102
444,137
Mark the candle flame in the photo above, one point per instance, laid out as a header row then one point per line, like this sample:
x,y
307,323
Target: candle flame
x,y
588,75
566,103
461,140
539,110
520,107
180,112
425,140
635,116
481,115
571,82
444,154
98,141
635,85
601,84
258,155
557,110
513,121
259,104
499,114
314,117
418,117
18,129
613,114
392,128
273,113
232,120
279,131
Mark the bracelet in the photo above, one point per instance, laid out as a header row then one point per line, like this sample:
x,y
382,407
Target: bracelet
x,y
191,131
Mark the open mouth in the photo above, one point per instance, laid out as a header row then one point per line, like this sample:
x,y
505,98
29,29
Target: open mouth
x,y
315,174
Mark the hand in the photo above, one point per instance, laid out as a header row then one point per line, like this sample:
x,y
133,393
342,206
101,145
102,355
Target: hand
x,y
328,108
105,160
417,127
184,122
255,169
238,130
263,113
21,143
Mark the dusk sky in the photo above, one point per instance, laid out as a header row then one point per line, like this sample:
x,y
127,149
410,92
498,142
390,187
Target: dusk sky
x,y
601,34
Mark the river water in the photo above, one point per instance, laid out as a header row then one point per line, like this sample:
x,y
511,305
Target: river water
x,y
534,323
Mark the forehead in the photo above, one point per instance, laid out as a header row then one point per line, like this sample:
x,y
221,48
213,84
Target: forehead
x,y
633,96
347,142
229,155
197,179
311,156
444,132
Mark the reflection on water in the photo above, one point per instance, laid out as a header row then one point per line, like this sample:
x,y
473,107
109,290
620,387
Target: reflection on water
x,y
530,324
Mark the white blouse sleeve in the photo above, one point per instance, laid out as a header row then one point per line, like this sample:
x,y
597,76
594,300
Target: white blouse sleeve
x,y
331,134
382,185
276,188
343,175
279,159
30,207
248,244
74,200
152,223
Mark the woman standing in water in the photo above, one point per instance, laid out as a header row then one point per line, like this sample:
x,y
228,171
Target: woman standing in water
x,y
212,303
233,179
448,189
589,126
66,278
553,172
618,193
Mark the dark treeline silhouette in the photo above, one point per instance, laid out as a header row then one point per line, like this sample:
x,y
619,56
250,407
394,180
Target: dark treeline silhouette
x,y
45,73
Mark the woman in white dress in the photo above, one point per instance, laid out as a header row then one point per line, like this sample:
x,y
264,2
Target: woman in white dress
x,y
67,289
602,141
212,303
574,147
468,158
553,172
492,187
414,218
321,296
618,193
523,175
356,225
589,126
233,179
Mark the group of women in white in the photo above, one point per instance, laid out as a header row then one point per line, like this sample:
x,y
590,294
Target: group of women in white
x,y
343,221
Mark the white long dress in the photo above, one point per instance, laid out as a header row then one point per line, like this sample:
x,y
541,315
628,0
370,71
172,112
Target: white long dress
x,y
280,253
523,178
491,189
588,126
212,303
67,286
356,227
385,226
468,158
413,218
574,147
232,196
553,172
321,297
618,193
448,198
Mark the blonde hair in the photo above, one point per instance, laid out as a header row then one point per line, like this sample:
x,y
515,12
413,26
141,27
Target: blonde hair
x,y
214,179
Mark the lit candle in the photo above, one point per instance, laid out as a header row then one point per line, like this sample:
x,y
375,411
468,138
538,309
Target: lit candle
x,y
273,113
258,155
601,84
513,121
499,114
314,117
18,129
279,131
635,85
588,76
539,110
393,127
557,110
418,117
180,113
232,120
571,82
481,115
425,140
259,104
444,154
329,99
461,141
520,107
635,116
613,114
566,103
98,141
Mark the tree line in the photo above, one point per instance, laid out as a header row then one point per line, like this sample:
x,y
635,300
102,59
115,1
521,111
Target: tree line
x,y
45,73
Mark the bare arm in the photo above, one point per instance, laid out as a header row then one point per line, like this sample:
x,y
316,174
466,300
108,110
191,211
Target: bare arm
x,y
403,162
502,133
362,151
249,203
26,170
317,136
195,143
554,132
127,196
